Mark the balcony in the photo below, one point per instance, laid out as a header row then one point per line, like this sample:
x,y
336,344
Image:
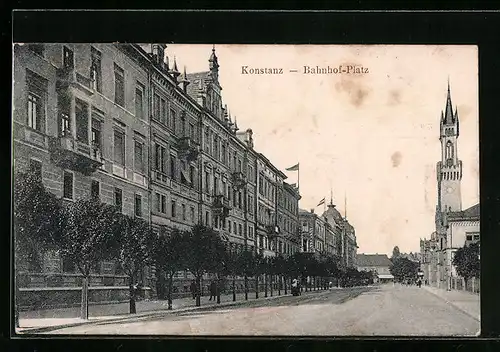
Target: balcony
x,y
68,77
239,179
188,148
77,156
272,230
221,206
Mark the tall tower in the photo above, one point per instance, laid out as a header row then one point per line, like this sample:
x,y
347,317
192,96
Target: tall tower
x,y
449,169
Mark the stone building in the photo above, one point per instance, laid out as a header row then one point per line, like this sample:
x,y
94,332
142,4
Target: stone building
x,y
454,227
378,264
122,123
288,219
80,118
335,224
312,231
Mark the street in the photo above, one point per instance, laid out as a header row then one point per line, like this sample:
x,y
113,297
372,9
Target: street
x,y
364,311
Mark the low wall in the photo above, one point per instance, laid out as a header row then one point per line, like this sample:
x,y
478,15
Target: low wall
x,y
60,297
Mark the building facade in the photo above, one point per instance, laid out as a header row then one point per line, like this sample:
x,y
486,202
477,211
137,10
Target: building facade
x,y
454,227
80,120
121,123
378,264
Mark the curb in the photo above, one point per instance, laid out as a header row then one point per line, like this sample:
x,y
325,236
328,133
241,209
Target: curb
x,y
97,321
454,305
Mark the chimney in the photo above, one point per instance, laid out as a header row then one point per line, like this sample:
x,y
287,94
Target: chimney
x,y
312,211
158,51
249,138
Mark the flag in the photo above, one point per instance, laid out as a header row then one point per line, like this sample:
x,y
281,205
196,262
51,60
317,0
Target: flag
x,y
321,202
293,168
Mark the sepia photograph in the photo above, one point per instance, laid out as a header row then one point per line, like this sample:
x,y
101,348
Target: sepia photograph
x,y
245,190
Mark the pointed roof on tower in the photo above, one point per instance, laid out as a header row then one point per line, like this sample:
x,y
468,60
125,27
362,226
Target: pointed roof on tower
x,y
448,113
213,59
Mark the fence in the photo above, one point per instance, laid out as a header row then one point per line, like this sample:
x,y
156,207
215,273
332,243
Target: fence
x,y
471,285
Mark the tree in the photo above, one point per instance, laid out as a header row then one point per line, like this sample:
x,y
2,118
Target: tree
x,y
38,224
203,248
169,256
246,267
466,261
395,253
134,244
232,269
279,269
257,269
404,269
38,219
88,238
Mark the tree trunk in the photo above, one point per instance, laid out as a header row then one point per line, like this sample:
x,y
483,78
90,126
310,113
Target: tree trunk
x,y
132,293
256,286
217,288
284,281
271,277
265,285
198,289
279,284
246,287
84,309
169,291
234,288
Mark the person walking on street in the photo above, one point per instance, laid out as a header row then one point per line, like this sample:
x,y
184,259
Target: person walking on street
x,y
213,290
419,283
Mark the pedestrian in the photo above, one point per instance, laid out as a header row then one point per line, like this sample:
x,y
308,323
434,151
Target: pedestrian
x,y
213,290
419,283
193,289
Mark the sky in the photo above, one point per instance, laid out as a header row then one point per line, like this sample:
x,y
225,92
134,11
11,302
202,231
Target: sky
x,y
370,139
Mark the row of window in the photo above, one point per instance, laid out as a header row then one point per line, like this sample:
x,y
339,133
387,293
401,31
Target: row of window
x,y
95,188
266,187
161,207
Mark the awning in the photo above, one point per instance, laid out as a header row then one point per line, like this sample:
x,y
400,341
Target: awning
x,y
385,276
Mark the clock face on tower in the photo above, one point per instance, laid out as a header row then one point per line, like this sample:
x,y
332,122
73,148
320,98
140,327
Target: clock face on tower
x,y
449,189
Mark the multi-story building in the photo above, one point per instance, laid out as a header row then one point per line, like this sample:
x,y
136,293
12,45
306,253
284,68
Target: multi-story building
x,y
350,246
335,223
288,219
121,123
80,118
454,227
313,232
269,179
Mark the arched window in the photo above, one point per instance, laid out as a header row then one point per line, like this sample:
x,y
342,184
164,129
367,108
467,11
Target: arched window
x,y
449,150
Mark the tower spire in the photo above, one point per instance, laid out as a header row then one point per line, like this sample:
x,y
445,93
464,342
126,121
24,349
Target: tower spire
x,y
448,114
214,65
345,205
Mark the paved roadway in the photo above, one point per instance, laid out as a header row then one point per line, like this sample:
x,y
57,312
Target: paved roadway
x,y
366,311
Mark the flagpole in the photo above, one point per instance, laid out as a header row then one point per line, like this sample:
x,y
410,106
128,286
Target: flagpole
x,y
298,178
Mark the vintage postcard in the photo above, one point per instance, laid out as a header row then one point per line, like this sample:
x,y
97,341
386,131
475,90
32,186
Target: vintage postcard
x,y
246,190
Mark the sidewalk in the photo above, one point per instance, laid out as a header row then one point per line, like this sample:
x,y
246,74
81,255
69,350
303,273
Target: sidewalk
x,y
38,321
465,301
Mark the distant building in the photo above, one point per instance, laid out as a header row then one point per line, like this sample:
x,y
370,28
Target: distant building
x,y
378,264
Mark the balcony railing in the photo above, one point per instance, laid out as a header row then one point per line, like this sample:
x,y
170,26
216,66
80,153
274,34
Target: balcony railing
x,y
188,148
221,206
68,77
272,230
76,156
239,179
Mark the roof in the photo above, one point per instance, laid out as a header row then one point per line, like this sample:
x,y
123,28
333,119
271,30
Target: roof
x,y
363,260
194,87
385,276
472,212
